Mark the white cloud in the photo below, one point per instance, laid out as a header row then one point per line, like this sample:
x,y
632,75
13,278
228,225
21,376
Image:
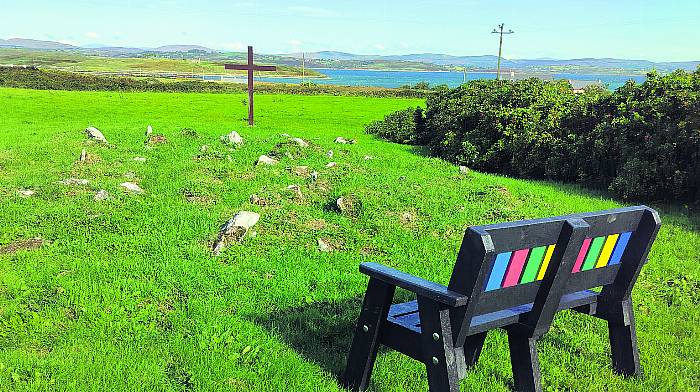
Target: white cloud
x,y
91,35
233,46
379,47
313,12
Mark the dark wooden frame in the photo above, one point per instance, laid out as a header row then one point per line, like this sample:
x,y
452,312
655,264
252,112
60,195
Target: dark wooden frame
x,y
446,326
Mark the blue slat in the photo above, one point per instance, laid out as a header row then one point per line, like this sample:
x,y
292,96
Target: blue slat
x,y
499,269
620,248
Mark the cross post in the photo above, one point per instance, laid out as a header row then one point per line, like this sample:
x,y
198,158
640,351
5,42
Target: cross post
x,y
250,67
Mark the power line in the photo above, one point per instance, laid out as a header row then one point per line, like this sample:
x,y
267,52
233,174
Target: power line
x,y
500,46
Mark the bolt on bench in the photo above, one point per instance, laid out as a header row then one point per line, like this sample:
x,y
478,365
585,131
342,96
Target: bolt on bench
x,y
514,276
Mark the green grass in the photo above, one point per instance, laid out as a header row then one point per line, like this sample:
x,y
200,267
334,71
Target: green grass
x,y
126,296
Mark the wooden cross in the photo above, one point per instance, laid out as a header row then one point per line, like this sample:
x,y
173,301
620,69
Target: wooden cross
x,y
250,67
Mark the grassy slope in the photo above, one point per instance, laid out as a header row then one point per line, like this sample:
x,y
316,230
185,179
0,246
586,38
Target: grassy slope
x,y
127,296
72,61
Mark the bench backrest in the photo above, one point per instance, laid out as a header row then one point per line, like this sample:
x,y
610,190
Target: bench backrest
x,y
505,265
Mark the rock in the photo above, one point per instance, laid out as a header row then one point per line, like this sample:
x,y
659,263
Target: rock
x,y
300,142
285,135
131,187
342,140
297,191
265,160
406,217
324,245
331,164
368,157
302,171
74,181
204,148
329,154
95,134
257,200
83,156
157,139
140,159
130,175
464,170
349,205
234,229
25,192
314,176
101,195
232,138
149,131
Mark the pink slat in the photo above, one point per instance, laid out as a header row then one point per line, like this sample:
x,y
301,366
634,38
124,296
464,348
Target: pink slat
x,y
581,255
515,268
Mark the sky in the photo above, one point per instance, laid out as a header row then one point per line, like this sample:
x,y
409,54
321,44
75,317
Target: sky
x,y
640,29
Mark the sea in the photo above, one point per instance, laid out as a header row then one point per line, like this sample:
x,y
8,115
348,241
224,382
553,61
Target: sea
x,y
355,77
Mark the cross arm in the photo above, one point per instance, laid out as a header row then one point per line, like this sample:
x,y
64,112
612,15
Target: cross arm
x,y
245,67
422,287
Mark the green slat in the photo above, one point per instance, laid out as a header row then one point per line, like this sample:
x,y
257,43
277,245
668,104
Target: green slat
x,y
533,264
593,253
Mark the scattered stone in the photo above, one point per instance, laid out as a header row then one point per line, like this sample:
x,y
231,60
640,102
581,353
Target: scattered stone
x,y
157,139
317,224
314,176
300,142
25,192
342,140
368,157
289,155
74,181
464,170
331,164
257,200
265,160
329,154
149,131
95,134
348,205
302,171
232,138
131,187
324,245
402,178
140,159
83,156
29,244
130,175
101,195
406,217
297,191
234,229
204,148
285,135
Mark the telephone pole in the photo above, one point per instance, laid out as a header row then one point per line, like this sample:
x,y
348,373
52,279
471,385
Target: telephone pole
x,y
500,46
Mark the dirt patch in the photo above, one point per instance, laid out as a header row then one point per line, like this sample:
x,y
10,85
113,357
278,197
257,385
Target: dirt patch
x,y
29,244
157,139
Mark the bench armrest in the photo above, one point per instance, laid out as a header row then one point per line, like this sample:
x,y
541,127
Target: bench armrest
x,y
422,287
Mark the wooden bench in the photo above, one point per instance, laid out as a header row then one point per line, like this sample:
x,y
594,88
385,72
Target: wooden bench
x,y
514,276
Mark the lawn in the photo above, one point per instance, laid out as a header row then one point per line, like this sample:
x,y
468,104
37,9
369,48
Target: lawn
x,y
125,295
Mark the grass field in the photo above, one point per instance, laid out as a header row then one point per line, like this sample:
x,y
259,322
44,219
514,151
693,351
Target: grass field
x,y
124,294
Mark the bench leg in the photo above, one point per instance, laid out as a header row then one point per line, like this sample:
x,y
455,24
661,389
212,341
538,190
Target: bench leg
x,y
438,350
524,362
623,343
365,342
472,348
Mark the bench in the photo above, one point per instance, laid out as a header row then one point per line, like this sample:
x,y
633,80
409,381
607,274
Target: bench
x,y
514,276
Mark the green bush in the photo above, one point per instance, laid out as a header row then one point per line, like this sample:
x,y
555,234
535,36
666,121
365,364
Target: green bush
x,y
640,142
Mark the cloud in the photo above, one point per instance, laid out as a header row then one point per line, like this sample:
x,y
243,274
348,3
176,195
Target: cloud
x,y
233,46
91,35
379,47
313,12
295,42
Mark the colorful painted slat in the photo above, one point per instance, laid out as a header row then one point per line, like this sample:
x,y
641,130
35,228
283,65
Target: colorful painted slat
x,y
515,268
620,248
533,264
593,253
581,255
499,270
545,263
607,251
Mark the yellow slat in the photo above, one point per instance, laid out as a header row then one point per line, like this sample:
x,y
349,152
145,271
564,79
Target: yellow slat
x,y
545,262
608,248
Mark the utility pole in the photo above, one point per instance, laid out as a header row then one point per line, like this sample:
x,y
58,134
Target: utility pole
x,y
500,46
303,66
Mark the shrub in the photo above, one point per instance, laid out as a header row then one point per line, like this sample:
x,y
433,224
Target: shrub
x,y
398,127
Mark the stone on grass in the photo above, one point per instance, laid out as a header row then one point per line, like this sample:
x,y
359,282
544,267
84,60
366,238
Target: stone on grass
x,y
300,142
329,154
324,245
349,205
156,139
234,229
368,157
131,187
25,192
257,200
95,134
204,148
101,195
342,140
314,176
464,170
296,190
302,171
140,159
149,131
74,181
265,160
232,138
130,175
83,156
331,164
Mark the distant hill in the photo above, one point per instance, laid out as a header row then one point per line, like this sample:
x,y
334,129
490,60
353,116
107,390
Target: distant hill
x,y
182,48
34,44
